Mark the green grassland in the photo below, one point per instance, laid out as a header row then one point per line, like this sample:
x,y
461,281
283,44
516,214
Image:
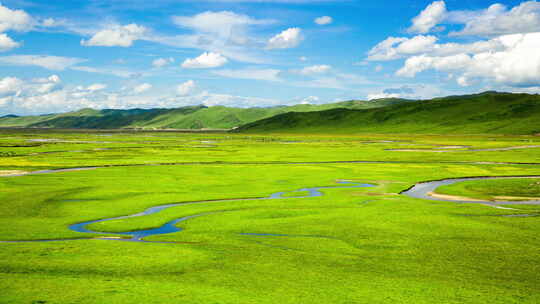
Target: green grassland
x,y
357,245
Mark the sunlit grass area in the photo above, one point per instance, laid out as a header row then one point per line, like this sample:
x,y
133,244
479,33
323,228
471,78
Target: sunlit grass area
x,y
350,245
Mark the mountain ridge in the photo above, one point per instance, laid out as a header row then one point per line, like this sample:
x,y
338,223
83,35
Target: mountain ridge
x,y
188,117
487,112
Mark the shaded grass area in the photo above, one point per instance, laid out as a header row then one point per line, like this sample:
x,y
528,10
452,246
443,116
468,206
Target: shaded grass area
x,y
504,189
358,245
489,112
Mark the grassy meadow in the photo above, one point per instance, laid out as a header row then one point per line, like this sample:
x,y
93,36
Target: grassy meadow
x,y
351,245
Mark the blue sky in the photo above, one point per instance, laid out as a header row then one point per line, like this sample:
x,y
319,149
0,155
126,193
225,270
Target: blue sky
x,y
58,56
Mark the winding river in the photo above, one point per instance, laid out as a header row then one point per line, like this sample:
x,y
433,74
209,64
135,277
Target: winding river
x,y
421,190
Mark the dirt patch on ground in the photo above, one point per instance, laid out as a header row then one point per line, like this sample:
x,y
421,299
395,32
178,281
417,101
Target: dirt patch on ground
x,y
517,198
453,197
11,172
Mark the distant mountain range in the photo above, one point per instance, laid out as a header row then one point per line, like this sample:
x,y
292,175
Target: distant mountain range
x,y
488,112
192,117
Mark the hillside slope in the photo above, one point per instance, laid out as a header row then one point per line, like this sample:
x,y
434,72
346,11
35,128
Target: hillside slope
x,y
490,112
190,117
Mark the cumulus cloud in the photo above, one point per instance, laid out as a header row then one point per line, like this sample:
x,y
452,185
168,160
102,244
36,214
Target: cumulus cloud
x,y
313,70
161,62
429,18
10,86
141,88
254,74
205,61
49,84
47,62
395,48
15,20
506,66
6,43
498,20
187,88
116,35
289,38
324,20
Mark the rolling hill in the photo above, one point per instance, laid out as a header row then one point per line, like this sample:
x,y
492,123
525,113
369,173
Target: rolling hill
x,y
191,117
489,112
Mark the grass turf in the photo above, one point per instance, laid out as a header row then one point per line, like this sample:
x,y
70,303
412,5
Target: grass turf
x,y
358,245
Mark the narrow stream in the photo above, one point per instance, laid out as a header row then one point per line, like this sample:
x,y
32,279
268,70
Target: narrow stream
x,y
170,227
420,191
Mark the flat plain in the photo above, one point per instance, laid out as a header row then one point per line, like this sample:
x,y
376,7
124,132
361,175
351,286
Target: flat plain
x,y
235,245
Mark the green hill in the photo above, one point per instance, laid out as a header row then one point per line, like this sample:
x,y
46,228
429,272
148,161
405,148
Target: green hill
x,y
191,117
489,112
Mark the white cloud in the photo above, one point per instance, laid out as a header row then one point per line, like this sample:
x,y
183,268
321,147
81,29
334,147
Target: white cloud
x,y
210,99
49,22
395,48
506,66
205,61
303,58
374,96
7,43
386,49
409,91
340,81
313,70
224,32
254,74
141,88
96,87
429,18
10,86
16,20
498,20
378,68
47,85
324,20
310,100
187,88
116,35
47,62
224,23
123,73
417,44
161,62
289,38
